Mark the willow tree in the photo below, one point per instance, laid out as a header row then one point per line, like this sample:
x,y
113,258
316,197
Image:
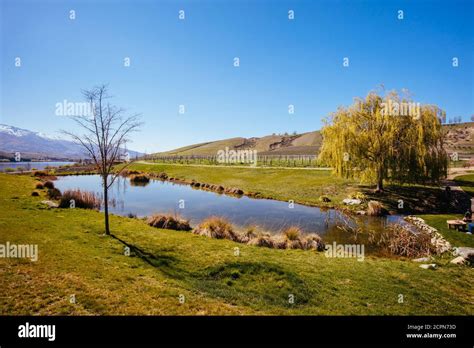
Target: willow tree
x,y
385,138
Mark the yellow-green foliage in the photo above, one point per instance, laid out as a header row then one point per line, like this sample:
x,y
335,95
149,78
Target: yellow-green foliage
x,y
364,141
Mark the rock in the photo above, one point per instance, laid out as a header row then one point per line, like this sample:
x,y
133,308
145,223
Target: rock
x,y
350,201
458,260
465,252
50,204
361,212
428,266
422,259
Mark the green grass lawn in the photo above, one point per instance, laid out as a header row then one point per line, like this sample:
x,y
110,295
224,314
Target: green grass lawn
x,y
456,238
76,259
466,182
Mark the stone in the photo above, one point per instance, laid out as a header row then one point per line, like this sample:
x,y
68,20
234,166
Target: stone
x,y
422,259
458,260
350,201
50,204
428,266
465,252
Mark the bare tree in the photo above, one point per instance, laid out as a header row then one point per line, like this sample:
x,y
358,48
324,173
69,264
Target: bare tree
x,y
105,135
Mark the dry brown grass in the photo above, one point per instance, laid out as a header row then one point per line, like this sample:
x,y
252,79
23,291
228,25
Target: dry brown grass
x,y
217,227
168,221
399,240
82,199
375,208
292,233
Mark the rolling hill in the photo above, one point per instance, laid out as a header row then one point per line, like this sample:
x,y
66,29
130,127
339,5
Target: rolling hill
x,y
459,138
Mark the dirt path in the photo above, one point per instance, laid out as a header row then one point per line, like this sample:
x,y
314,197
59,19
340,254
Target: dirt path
x,y
454,172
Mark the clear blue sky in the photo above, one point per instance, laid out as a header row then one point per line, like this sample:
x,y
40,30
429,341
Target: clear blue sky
x,y
190,62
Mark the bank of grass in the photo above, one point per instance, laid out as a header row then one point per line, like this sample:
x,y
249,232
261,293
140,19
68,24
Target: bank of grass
x,y
76,259
456,238
301,185
308,186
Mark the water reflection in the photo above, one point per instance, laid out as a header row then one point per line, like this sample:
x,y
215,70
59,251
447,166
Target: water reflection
x,y
269,215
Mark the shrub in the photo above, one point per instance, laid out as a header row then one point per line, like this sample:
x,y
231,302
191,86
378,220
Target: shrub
x,y
170,222
48,184
39,185
127,172
40,173
82,199
359,195
9,170
399,240
324,199
139,178
375,208
217,227
35,193
54,193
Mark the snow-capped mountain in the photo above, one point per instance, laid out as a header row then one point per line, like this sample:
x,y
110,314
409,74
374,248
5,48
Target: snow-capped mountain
x,y
39,145
19,132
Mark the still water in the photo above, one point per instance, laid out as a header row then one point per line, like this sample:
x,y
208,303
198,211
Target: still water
x,y
264,214
30,165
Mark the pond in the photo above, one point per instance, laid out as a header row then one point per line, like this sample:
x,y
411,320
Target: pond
x,y
30,165
264,214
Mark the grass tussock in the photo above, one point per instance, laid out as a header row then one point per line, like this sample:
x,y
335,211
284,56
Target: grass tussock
x,y
375,208
39,186
168,221
291,238
292,233
217,227
79,199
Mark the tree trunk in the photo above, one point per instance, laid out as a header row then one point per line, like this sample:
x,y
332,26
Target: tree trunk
x,y
106,206
379,181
